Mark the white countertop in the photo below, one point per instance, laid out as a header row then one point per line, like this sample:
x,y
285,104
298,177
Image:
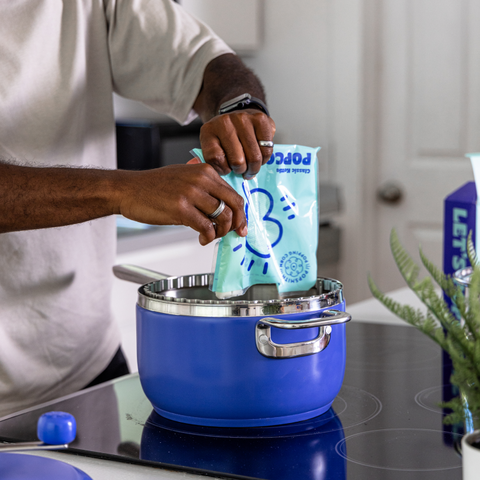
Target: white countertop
x,y
100,469
373,311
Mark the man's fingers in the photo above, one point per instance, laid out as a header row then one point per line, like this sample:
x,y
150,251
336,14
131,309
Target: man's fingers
x,y
195,216
250,158
223,223
212,150
233,215
194,161
232,218
265,131
252,129
204,227
217,227
230,142
224,220
223,150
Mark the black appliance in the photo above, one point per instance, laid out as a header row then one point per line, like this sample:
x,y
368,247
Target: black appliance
x,y
146,145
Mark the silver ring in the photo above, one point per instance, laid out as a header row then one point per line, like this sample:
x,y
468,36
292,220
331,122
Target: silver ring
x,y
265,143
218,211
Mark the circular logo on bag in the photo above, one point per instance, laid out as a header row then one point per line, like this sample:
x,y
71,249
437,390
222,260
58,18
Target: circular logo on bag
x,y
294,266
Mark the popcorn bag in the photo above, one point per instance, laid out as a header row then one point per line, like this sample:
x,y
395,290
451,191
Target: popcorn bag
x,y
281,206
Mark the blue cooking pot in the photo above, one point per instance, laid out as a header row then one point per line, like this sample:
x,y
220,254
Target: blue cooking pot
x,y
257,360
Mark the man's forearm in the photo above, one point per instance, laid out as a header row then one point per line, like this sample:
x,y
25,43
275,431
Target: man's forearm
x,y
50,197
225,78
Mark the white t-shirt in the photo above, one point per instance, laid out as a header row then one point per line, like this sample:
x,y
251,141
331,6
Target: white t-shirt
x,y
59,64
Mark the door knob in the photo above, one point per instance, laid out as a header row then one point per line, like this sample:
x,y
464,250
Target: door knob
x,y
390,193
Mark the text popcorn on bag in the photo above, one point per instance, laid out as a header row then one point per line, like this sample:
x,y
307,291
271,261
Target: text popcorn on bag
x,y
281,206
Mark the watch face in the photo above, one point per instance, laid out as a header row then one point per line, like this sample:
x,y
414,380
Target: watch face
x,y
234,102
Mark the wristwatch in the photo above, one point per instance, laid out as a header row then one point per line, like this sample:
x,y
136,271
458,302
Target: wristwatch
x,y
241,103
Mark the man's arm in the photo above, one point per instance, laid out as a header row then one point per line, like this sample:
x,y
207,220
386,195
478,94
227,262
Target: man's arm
x,y
32,198
230,141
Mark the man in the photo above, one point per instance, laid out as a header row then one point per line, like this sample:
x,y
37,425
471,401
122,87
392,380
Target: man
x,y
60,63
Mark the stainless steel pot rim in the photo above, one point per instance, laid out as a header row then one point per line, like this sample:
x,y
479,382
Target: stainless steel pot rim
x,y
164,296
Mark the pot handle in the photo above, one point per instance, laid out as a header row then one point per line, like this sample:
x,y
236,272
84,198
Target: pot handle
x,y
270,349
135,274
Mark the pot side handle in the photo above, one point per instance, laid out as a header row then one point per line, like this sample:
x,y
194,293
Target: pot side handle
x,y
270,349
135,274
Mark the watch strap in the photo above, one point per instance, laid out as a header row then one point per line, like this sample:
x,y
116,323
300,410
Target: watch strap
x,y
241,103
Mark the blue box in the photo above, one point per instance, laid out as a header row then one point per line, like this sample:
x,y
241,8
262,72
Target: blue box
x,y
459,220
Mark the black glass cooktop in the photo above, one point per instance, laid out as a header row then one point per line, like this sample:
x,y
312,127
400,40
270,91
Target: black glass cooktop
x,y
384,424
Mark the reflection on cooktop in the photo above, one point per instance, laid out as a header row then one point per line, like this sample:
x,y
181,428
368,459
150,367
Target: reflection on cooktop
x,y
385,424
430,398
400,449
354,406
305,450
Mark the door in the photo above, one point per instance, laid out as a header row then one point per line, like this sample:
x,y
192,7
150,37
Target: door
x,y
424,71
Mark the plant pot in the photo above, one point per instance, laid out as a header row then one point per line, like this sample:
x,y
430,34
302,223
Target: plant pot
x,y
471,455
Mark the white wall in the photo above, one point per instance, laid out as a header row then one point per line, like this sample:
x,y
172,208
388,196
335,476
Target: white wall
x,y
311,64
291,64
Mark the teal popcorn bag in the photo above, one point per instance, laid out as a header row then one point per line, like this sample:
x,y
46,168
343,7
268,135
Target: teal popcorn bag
x,y
281,206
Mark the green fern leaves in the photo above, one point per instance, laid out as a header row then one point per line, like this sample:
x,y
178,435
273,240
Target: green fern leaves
x,y
460,338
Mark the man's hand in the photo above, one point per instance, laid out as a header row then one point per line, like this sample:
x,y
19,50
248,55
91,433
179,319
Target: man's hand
x,y
230,142
183,195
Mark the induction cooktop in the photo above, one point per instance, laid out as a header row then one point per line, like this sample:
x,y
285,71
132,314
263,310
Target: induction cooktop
x,y
386,423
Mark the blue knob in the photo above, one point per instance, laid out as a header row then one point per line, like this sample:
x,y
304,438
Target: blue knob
x,y
56,428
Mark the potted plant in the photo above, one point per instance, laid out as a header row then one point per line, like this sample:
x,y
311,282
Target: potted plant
x,y
458,334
